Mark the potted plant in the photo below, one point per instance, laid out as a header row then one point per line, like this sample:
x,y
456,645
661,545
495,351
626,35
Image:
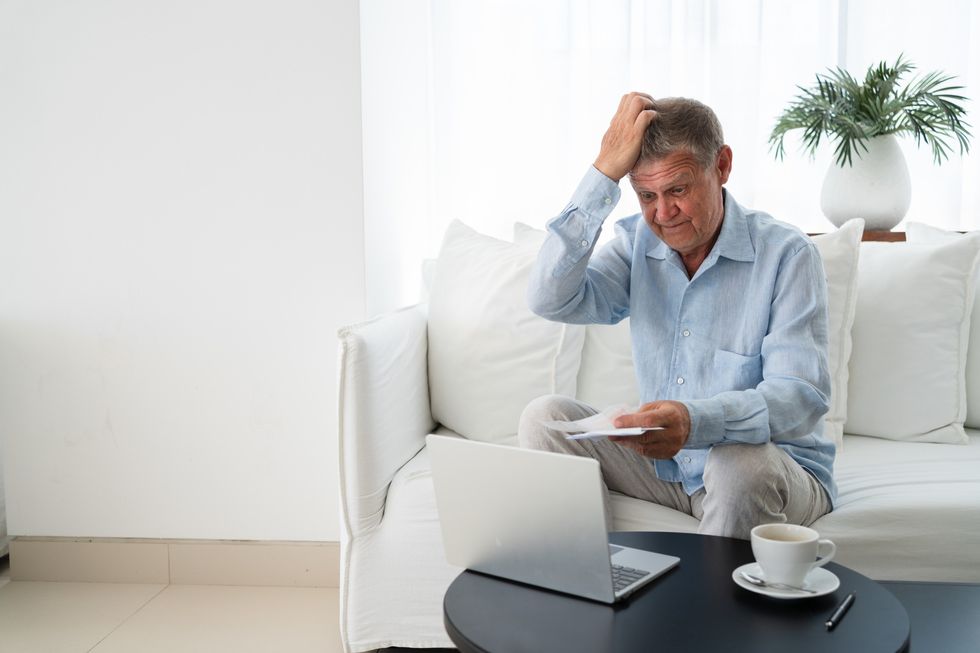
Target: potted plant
x,y
869,178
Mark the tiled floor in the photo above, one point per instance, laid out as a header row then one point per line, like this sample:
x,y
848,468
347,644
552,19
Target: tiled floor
x,y
109,618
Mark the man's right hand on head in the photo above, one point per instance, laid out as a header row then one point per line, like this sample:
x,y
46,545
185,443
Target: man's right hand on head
x,y
621,143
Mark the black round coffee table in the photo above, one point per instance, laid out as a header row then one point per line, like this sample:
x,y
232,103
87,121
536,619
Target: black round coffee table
x,y
694,607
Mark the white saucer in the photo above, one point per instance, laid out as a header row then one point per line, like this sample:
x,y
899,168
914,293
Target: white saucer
x,y
819,580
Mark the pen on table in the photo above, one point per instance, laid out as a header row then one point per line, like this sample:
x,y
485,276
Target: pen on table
x,y
840,612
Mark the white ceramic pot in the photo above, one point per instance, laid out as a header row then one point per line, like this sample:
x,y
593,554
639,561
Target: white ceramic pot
x,y
876,187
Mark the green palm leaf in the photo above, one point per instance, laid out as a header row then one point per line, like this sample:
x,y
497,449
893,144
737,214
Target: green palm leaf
x,y
849,112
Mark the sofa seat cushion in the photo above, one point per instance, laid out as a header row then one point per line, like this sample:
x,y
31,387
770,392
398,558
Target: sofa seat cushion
x,y
630,514
907,510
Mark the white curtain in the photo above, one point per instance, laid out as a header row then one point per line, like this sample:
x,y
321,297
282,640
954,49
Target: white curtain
x,y
491,111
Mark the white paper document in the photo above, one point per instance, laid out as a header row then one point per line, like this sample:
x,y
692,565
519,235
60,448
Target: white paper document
x,y
600,425
604,433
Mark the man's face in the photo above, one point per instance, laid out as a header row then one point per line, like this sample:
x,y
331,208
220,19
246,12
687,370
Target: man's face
x,y
681,200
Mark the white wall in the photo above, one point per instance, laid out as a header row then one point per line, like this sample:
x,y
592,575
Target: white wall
x,y
181,233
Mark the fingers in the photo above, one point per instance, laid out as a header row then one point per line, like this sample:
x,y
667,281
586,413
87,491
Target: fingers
x,y
648,415
635,109
656,444
621,142
643,120
640,100
645,98
623,101
674,419
631,119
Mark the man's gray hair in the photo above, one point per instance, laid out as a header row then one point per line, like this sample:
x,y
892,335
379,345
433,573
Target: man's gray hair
x,y
683,124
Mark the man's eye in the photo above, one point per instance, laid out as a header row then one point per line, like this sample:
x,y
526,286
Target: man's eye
x,y
646,197
678,190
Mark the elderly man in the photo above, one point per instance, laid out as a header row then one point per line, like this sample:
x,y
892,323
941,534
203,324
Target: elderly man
x,y
728,315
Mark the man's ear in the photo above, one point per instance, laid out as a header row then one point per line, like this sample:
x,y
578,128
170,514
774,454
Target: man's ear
x,y
724,163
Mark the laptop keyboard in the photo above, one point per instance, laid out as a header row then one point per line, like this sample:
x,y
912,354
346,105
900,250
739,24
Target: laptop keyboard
x,y
625,576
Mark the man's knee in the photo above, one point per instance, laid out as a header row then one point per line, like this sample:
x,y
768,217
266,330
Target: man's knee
x,y
531,432
746,485
742,489
742,471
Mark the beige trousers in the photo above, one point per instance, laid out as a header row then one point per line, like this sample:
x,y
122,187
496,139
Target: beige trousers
x,y
744,484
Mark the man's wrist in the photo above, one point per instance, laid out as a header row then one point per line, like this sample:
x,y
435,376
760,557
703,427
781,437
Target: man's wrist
x,y
608,170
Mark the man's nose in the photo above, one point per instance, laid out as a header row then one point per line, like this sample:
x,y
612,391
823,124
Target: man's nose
x,y
665,210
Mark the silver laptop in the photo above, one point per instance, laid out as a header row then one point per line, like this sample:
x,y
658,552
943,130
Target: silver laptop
x,y
534,517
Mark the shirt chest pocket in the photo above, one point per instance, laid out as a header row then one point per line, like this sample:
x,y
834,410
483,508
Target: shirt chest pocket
x,y
731,371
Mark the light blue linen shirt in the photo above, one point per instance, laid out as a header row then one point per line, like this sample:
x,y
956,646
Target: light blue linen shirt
x,y
743,344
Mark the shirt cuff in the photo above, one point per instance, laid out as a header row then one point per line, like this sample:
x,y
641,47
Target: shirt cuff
x,y
707,422
733,416
597,194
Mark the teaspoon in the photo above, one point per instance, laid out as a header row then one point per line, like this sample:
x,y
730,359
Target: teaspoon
x,y
755,580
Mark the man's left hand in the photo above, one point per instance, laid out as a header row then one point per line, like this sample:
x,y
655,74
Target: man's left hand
x,y
673,416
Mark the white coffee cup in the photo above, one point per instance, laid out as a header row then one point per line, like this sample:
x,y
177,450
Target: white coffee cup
x,y
787,552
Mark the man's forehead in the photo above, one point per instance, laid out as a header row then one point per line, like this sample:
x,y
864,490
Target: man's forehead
x,y
664,171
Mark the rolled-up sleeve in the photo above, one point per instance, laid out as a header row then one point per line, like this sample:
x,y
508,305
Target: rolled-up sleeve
x,y
570,284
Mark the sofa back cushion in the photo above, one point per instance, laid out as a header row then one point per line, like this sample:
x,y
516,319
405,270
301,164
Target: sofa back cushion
x,y
922,233
910,336
839,251
489,355
606,376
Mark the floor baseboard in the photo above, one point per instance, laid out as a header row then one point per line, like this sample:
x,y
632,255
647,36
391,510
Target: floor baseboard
x,y
179,562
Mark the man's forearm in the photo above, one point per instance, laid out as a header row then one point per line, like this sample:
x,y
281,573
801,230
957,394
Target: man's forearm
x,y
561,285
776,411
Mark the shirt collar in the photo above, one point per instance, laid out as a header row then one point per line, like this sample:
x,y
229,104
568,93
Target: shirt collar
x,y
734,241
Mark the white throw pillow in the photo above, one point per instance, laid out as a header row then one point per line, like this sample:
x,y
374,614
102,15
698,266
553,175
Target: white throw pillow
x,y
489,355
525,234
922,233
606,376
910,336
839,252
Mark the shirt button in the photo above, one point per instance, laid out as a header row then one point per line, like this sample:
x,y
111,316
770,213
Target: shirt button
x,y
585,243
680,380
608,200
687,459
685,333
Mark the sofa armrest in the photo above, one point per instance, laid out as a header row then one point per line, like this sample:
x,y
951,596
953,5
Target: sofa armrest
x,y
383,409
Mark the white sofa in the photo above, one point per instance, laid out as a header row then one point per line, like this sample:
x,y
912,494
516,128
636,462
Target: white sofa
x,y
469,360
4,539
